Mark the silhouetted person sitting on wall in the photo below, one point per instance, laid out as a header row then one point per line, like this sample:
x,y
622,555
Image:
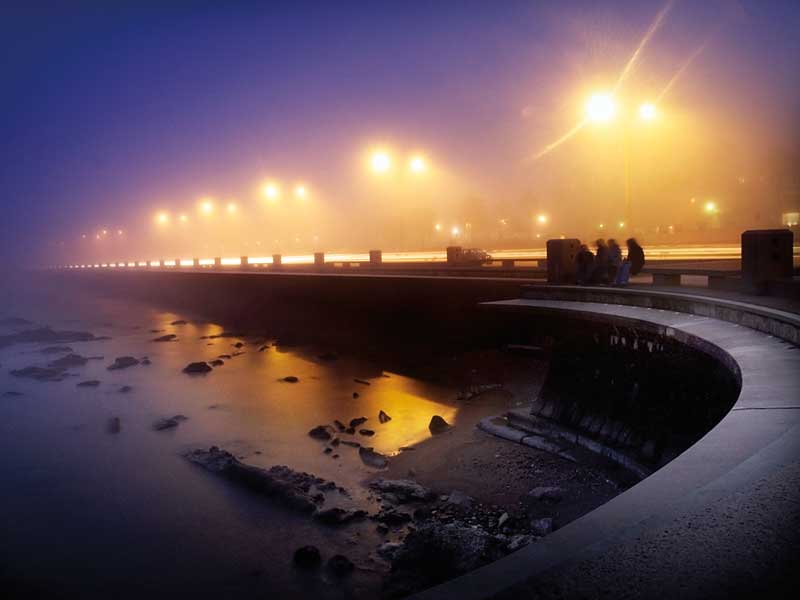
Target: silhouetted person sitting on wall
x,y
584,265
601,262
614,259
633,262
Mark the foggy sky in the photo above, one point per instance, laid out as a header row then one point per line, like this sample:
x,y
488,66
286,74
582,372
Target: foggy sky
x,y
112,113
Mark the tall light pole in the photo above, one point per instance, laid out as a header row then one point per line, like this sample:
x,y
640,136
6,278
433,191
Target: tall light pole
x,y
602,108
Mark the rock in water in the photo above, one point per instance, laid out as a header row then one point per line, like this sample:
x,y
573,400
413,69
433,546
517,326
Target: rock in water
x,y
56,350
340,565
196,368
217,362
291,379
383,417
300,491
68,361
89,383
366,432
125,389
114,425
169,423
361,381
179,322
39,373
373,459
170,337
548,493
339,425
238,345
321,432
357,421
225,356
123,362
339,516
405,489
438,425
307,557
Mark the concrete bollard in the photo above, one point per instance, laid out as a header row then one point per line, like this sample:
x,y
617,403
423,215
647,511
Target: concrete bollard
x,y
561,260
196,263
319,259
217,262
243,262
766,256
162,264
454,254
277,260
375,258
177,263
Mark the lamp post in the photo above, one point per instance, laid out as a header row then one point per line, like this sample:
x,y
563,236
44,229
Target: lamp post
x,y
602,108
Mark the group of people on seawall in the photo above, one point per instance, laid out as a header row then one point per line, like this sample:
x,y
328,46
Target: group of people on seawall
x,y
606,265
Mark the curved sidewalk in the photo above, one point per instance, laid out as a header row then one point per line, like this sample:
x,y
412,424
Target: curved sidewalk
x,y
711,522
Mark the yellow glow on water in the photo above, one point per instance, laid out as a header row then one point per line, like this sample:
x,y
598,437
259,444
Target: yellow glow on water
x,y
600,107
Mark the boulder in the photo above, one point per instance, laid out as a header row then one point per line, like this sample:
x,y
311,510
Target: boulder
x,y
366,432
388,550
373,459
307,557
170,337
519,541
541,527
217,362
123,362
197,368
321,432
290,379
357,421
405,490
340,565
169,423
383,417
458,498
438,425
548,493
39,373
339,516
68,361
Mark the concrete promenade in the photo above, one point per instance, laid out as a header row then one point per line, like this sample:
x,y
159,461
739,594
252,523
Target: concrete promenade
x,y
722,519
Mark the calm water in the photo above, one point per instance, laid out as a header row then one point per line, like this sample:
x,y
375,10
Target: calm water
x,y
88,513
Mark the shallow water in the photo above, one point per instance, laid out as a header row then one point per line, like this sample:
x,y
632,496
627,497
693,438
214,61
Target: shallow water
x,y
89,513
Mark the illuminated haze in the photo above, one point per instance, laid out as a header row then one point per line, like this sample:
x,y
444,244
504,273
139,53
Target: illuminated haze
x,y
111,117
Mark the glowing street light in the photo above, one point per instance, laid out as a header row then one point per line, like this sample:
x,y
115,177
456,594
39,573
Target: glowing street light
x,y
206,207
541,219
271,191
621,224
710,207
601,107
438,227
231,208
119,231
380,162
300,191
417,164
455,231
162,218
183,219
648,111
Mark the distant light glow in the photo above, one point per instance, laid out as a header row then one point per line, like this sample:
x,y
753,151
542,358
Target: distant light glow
x,y
417,164
542,219
300,191
601,107
455,230
231,208
271,191
380,161
438,227
183,218
206,207
710,207
162,218
648,111
621,224
119,231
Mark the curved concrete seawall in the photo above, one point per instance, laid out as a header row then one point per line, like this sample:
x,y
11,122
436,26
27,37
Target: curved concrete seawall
x,y
721,519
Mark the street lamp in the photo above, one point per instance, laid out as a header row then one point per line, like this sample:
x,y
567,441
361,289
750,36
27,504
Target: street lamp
x,y
380,161
601,107
417,164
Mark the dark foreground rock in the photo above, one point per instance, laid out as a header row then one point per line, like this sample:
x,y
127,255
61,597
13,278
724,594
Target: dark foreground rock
x,y
307,557
383,417
340,565
290,379
180,322
89,383
339,516
321,432
438,425
56,350
301,491
436,552
114,425
197,368
217,362
169,423
123,362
